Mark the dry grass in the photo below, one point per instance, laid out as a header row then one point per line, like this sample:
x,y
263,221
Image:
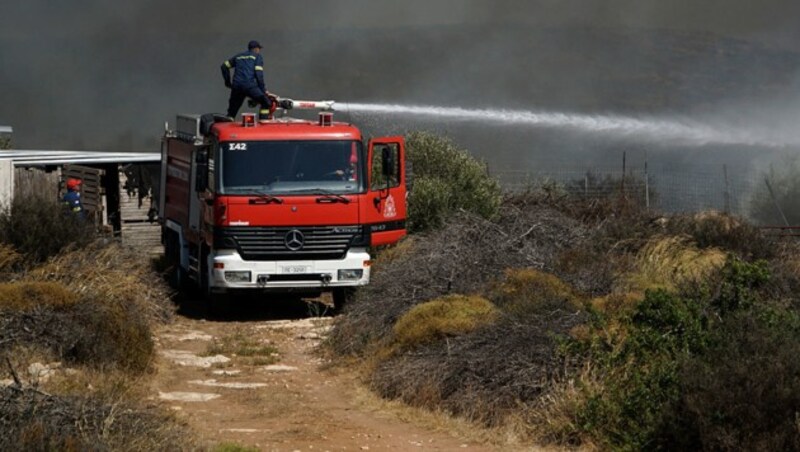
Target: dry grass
x,y
233,447
9,259
553,419
27,296
667,262
440,421
462,258
448,316
527,291
388,255
30,420
243,347
112,272
87,312
93,306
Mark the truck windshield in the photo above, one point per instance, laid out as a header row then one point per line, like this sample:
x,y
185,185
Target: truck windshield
x,y
291,167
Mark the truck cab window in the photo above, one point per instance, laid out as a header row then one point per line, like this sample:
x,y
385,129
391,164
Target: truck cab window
x,y
378,181
291,167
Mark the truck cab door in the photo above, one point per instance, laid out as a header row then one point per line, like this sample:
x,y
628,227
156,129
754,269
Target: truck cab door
x,y
385,209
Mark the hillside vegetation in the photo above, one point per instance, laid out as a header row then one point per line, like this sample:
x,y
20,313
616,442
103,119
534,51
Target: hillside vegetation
x,y
589,323
76,320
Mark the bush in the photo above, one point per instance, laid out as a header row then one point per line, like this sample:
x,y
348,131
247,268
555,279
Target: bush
x,y
487,375
446,179
647,360
743,392
461,258
526,292
28,296
667,262
718,230
39,228
94,306
480,361
90,332
9,259
443,317
33,421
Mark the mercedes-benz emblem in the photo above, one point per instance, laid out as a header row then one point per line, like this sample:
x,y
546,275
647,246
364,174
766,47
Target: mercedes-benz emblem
x,y
294,240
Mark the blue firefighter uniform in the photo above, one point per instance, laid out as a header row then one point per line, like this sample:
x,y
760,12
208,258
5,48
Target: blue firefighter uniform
x,y
73,202
248,80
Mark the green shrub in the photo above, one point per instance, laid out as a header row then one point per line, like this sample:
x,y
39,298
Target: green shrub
x,y
446,179
743,392
644,368
40,227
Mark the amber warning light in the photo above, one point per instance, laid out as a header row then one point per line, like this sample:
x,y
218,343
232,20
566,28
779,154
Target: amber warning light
x,y
248,120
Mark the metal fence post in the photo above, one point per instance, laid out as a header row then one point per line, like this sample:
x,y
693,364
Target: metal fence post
x,y
646,184
586,184
727,189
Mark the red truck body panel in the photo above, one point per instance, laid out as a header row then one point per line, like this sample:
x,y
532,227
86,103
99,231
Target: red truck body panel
x,y
295,211
289,130
178,190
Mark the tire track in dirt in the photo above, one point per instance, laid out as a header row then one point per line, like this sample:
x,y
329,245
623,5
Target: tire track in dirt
x,y
259,382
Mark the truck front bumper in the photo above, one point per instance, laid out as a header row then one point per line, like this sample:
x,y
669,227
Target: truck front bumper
x,y
230,272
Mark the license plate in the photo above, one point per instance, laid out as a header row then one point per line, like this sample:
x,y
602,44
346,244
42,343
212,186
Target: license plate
x,y
294,269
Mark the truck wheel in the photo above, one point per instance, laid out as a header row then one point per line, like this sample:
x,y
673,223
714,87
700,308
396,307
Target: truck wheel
x,y
177,275
341,297
218,305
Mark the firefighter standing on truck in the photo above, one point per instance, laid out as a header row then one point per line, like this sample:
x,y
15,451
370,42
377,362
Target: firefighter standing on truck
x,y
248,80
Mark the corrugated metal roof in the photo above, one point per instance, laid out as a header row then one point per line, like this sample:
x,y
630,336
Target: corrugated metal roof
x,y
50,157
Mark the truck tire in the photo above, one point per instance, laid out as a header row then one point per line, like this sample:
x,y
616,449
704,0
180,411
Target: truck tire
x,y
341,297
172,251
217,305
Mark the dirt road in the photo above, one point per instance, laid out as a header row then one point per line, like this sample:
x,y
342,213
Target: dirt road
x,y
258,380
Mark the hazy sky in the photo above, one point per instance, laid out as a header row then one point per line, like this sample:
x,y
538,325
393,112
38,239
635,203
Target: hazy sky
x,y
68,67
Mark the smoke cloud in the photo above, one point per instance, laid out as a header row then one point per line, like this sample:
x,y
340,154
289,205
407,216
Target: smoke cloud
x,y
92,74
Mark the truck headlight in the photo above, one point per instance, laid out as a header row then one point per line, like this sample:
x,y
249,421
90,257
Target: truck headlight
x,y
350,275
237,277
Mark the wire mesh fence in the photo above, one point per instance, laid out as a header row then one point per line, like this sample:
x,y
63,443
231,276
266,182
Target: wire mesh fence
x,y
736,190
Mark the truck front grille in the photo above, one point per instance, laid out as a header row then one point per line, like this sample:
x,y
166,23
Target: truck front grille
x,y
288,243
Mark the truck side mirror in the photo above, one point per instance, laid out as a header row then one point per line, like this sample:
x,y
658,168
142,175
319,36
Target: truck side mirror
x,y
387,162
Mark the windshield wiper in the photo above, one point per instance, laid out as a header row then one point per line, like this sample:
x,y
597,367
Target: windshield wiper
x,y
263,197
329,196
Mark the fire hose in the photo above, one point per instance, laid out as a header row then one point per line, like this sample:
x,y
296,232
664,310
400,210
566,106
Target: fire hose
x,y
291,104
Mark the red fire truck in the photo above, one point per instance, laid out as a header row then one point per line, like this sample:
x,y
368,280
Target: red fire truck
x,y
283,205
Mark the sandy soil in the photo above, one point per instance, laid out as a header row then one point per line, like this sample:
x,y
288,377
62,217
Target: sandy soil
x,y
257,379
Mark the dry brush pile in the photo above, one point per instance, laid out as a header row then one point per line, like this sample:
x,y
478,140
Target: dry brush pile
x,y
589,323
76,323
